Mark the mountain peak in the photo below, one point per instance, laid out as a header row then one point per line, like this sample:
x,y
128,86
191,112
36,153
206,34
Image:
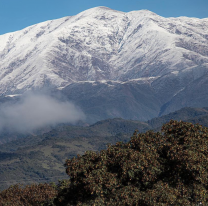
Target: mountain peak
x,y
133,65
97,11
101,8
100,44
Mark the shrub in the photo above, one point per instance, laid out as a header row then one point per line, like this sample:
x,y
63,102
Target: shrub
x,y
32,195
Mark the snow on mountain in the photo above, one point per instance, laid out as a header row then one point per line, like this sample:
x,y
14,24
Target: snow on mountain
x,y
102,45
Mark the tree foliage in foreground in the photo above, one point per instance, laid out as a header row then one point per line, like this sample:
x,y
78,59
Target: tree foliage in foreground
x,y
166,168
31,195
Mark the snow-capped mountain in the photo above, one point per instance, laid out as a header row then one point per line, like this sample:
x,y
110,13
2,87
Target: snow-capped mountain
x,y
100,46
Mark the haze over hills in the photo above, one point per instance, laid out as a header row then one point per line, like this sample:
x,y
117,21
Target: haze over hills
x,y
134,65
40,158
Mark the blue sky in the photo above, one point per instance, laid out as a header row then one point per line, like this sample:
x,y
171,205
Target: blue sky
x,y
18,14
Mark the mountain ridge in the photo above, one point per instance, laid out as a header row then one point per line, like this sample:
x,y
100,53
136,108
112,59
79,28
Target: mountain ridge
x,y
167,55
55,30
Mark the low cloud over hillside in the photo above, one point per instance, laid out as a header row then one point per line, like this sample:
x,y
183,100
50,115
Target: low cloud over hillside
x,y
37,110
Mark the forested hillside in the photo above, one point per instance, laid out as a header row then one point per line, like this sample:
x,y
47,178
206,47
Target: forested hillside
x,y
40,158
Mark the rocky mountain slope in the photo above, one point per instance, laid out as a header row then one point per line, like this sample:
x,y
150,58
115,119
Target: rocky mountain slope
x,y
153,65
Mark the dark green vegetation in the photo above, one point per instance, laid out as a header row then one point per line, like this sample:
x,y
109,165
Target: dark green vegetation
x,y
34,195
193,115
169,167
40,158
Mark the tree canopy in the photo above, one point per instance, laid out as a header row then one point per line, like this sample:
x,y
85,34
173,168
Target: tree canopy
x,y
164,168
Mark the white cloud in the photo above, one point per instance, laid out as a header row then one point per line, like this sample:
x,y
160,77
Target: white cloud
x,y
36,111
